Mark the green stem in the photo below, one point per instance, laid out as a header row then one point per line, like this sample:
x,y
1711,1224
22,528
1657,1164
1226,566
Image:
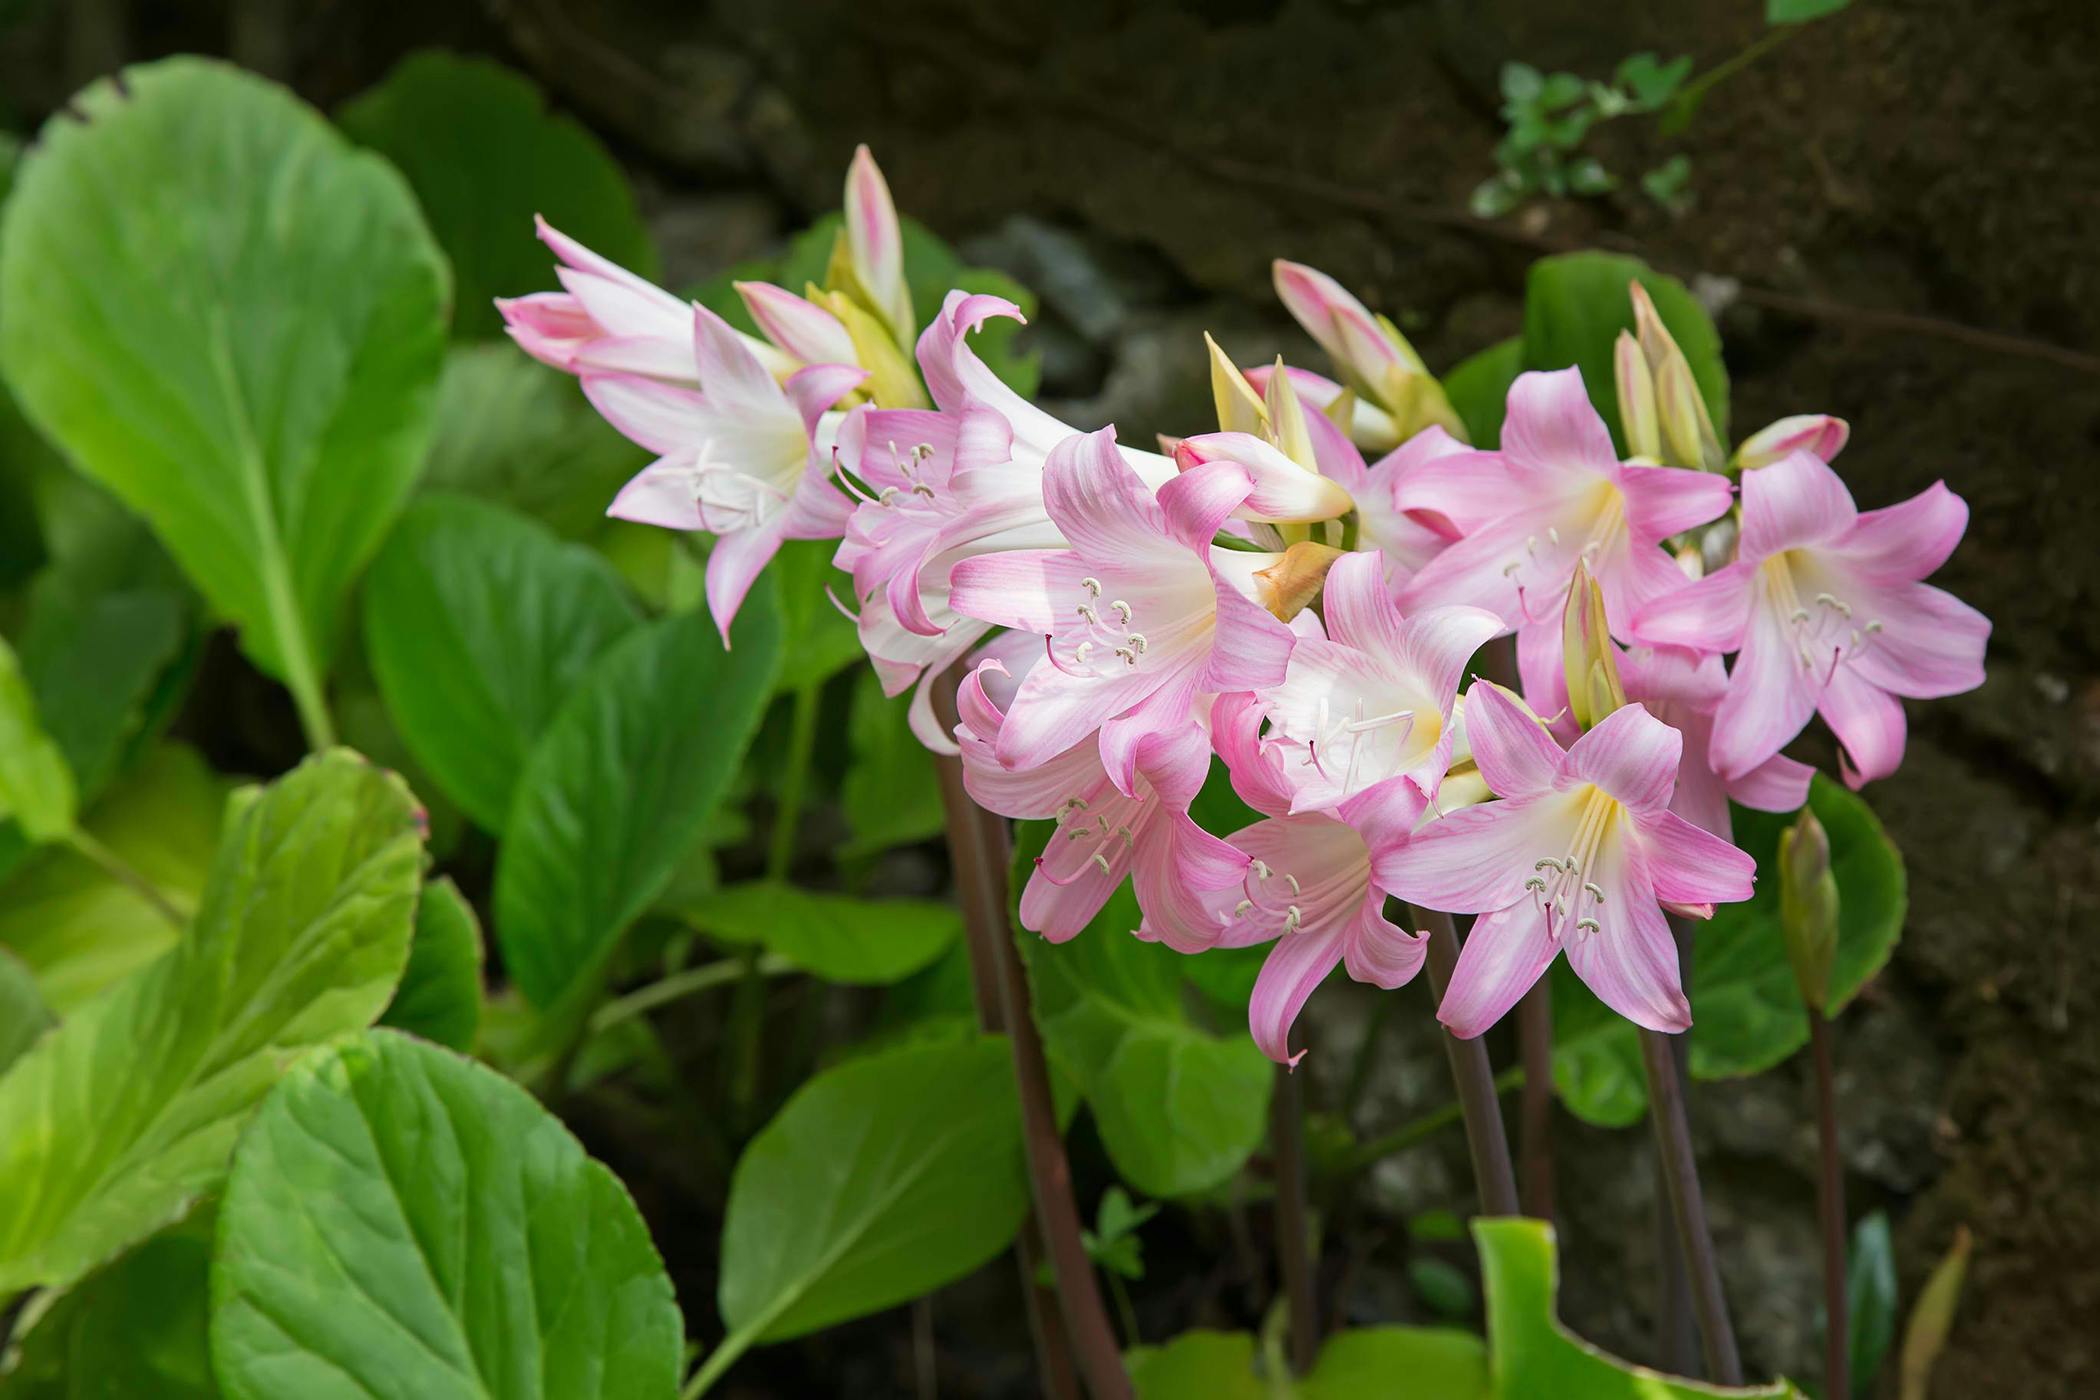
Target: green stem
x,y
747,1013
1721,72
120,870
719,1360
1420,1130
681,984
1124,1312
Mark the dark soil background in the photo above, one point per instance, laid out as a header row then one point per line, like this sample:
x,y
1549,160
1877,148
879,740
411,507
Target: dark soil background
x,y
1896,217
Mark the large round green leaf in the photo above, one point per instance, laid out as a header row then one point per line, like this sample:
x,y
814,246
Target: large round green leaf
x,y
233,320
1747,1013
441,993
1179,1105
78,928
1531,1355
23,1016
118,1121
479,624
1478,387
881,1179
137,1328
868,942
1575,305
618,790
401,1221
512,431
485,155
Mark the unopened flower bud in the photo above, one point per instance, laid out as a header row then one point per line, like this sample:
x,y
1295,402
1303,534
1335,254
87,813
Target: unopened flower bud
x,y
1240,409
892,382
1592,666
1688,435
1637,412
1817,434
1372,355
1289,585
1808,907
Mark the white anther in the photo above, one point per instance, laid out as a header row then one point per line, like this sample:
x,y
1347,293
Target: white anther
x,y
1591,888
1102,861
887,493
1122,610
1588,926
1800,616
1553,534
1535,885
1086,611
1127,654
1511,567
1548,862
1293,879
1240,909
1091,585
1873,627
1137,642
1261,869
1080,652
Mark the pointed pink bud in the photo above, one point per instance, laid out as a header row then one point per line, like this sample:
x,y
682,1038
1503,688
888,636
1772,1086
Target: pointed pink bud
x,y
877,244
805,330
1817,434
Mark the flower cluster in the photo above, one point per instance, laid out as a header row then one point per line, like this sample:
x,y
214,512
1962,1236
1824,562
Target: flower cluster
x,y
1265,597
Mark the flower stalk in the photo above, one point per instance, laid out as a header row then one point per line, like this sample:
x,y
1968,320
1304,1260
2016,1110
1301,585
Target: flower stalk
x,y
978,844
1680,1174
1296,1248
1474,1078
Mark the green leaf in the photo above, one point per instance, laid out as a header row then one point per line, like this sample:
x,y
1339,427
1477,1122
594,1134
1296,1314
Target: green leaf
x,y
1651,81
880,1180
440,994
1531,1354
137,1328
890,795
1436,1364
619,789
403,1221
23,1016
512,431
485,155
841,938
117,1122
234,321
1801,11
78,929
1575,305
1479,389
99,663
480,624
1180,1108
36,786
1437,1361
1198,1365
817,640
1442,1287
1870,1296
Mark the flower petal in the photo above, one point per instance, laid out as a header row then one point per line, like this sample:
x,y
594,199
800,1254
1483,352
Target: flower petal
x,y
1176,864
1930,644
1506,952
1513,751
1297,963
1779,784
1664,501
797,325
1770,696
1552,427
732,565
1280,489
1632,755
660,494
1478,859
1868,721
1907,540
1379,952
1709,614
1686,865
1796,501
1631,962
665,418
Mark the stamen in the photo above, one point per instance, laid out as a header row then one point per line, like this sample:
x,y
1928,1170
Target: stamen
x,y
1261,870
1595,891
1102,861
1091,585
1122,610
1086,611
1137,642
1293,879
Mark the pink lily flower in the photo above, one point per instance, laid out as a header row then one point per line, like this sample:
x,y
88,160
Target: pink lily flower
x,y
1562,494
1307,886
803,330
1576,857
1105,830
739,460
1363,715
1683,688
1141,614
607,320
946,486
1824,608
1400,507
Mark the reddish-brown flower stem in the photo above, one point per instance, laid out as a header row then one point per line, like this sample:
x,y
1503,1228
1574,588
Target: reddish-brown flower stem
x,y
1535,1115
1680,1175
979,845
1676,1339
1474,1079
1294,1241
1830,1216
